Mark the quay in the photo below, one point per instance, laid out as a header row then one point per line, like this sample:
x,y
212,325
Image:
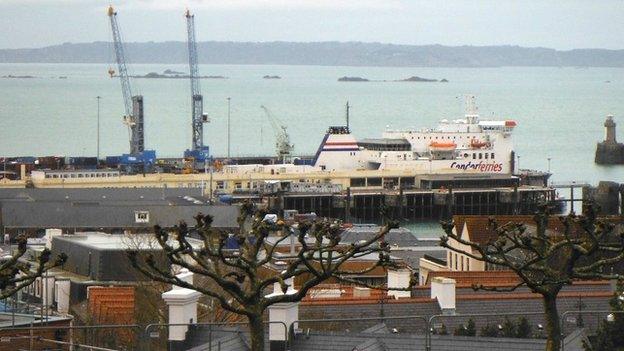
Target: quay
x,y
353,196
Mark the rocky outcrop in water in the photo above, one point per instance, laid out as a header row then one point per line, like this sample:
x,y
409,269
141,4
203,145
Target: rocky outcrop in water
x,y
353,79
417,79
10,76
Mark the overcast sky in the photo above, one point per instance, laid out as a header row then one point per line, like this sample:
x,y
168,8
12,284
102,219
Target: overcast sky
x,y
559,24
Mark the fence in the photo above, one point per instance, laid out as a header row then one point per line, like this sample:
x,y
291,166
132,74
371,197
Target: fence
x,y
425,333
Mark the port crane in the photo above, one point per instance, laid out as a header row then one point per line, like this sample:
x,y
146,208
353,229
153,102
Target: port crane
x,y
283,146
133,104
198,151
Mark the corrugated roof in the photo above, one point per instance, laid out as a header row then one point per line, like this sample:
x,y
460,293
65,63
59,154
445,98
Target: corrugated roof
x,y
94,215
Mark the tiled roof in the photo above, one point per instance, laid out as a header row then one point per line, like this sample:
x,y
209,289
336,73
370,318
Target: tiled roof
x,y
481,230
469,278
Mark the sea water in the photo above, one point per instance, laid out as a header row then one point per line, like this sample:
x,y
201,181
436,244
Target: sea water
x,y
560,111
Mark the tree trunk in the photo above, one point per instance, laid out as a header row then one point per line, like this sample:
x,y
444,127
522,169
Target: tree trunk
x,y
256,331
553,325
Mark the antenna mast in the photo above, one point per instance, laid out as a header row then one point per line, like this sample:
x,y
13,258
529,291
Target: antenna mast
x,y
347,114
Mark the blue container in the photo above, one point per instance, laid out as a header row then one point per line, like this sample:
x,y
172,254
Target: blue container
x,y
226,199
113,161
200,155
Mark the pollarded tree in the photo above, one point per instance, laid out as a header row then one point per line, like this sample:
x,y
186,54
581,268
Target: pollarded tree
x,y
547,260
17,273
241,275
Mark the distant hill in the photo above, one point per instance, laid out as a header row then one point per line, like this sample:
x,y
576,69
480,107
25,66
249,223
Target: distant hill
x,y
322,53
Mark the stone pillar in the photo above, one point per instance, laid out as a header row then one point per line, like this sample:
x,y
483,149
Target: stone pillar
x,y
62,288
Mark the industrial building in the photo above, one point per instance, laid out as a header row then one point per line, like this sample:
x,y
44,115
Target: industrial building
x,y
109,210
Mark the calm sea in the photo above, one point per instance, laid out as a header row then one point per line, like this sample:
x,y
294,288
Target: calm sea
x,y
560,111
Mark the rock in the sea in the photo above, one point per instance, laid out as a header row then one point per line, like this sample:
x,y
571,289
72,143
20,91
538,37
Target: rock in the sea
x,y
10,76
271,77
443,80
353,79
168,71
417,79
153,75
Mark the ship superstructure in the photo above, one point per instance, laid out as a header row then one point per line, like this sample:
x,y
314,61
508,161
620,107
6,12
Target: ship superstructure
x,y
464,145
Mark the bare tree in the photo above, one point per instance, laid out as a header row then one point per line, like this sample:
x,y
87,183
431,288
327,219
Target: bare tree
x,y
241,275
16,273
545,260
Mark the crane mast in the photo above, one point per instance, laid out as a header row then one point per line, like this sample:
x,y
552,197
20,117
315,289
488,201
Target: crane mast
x,y
197,101
283,146
133,104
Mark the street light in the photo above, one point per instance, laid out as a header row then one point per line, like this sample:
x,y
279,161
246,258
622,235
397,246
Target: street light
x,y
548,164
98,128
228,126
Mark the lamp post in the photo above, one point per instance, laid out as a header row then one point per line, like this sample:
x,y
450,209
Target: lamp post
x,y
98,128
548,164
228,126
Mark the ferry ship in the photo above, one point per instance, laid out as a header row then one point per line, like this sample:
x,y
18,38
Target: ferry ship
x,y
464,145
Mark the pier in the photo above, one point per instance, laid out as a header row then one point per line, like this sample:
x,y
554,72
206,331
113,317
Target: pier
x,y
418,204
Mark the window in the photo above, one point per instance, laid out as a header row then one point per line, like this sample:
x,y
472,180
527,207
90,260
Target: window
x,y
480,155
492,156
474,156
141,216
486,155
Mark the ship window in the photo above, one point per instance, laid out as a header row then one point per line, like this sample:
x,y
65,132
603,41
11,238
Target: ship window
x,y
492,156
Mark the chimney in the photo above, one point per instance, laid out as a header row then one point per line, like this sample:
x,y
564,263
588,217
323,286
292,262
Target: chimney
x,y
182,304
399,278
50,233
286,313
443,289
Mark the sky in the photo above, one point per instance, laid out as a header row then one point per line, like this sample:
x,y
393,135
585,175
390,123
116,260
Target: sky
x,y
558,24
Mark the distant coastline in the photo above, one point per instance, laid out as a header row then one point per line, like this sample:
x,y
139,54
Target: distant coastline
x,y
322,54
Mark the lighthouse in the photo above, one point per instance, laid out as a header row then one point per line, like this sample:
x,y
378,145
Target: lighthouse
x,y
610,130
609,151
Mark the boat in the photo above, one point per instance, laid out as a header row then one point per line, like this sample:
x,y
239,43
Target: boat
x,y
440,146
463,145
